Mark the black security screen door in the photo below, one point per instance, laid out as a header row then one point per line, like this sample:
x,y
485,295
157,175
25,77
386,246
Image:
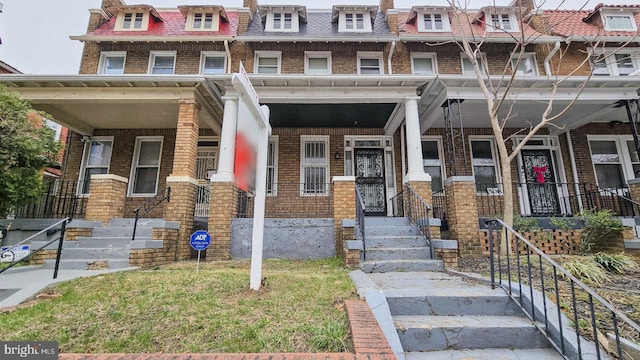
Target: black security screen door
x,y
370,180
541,182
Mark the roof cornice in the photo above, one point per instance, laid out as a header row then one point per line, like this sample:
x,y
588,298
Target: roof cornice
x,y
151,38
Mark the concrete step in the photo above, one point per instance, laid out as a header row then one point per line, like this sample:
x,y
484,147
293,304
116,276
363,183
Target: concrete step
x,y
395,241
95,253
429,333
122,231
86,264
392,230
384,266
398,253
143,222
104,242
385,221
486,354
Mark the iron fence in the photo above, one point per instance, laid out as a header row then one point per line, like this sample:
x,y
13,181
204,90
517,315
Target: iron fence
x,y
59,200
575,323
439,208
203,194
290,200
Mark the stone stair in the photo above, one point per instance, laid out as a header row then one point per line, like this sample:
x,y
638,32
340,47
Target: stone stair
x,y
395,244
438,316
109,247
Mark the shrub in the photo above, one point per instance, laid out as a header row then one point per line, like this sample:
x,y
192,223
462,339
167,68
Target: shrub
x,y
614,263
598,226
586,269
525,224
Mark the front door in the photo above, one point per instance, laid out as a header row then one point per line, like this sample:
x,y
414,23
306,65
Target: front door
x,y
540,181
370,180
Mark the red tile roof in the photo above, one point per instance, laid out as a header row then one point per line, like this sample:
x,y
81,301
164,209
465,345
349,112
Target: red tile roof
x,y
571,22
173,24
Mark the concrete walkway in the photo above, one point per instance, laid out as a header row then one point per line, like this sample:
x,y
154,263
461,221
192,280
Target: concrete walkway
x,y
22,283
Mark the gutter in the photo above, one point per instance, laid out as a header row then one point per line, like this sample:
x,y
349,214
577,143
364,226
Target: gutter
x,y
226,48
601,39
147,38
574,169
547,59
393,48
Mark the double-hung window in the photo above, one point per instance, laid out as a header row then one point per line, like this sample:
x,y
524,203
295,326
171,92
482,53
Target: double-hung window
x,y
145,167
527,65
272,166
619,63
112,62
267,62
96,160
468,68
483,161
432,163
132,21
212,63
202,21
314,165
317,62
614,159
354,21
424,63
162,62
502,21
369,63
616,21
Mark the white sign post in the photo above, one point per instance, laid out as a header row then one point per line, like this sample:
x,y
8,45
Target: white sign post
x,y
242,84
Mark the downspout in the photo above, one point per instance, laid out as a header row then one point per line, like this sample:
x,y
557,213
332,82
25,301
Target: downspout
x,y
574,170
547,59
393,48
226,47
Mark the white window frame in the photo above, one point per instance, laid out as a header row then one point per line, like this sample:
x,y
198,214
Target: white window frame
x,y
85,161
370,55
308,55
267,54
305,163
531,57
136,159
494,157
270,21
366,20
57,128
272,163
104,55
156,54
432,14
120,23
215,21
623,153
611,63
421,55
482,58
218,54
612,13
513,21
441,163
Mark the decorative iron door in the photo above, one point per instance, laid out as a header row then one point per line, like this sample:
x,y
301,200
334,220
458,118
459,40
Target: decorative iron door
x,y
370,180
540,182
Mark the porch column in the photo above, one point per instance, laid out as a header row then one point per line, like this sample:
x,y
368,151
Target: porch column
x,y
415,170
183,182
223,197
462,214
106,197
344,206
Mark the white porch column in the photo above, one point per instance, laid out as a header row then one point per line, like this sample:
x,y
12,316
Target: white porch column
x,y
227,140
415,170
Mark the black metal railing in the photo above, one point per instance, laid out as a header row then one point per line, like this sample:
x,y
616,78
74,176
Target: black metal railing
x,y
290,200
203,194
59,200
397,204
615,199
530,276
417,210
360,221
62,224
151,204
439,208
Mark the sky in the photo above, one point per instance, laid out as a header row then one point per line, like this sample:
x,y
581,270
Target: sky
x,y
35,33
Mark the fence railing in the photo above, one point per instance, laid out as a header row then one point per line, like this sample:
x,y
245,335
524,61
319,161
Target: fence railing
x,y
615,199
290,200
439,208
417,210
203,194
360,221
151,204
59,200
397,204
531,277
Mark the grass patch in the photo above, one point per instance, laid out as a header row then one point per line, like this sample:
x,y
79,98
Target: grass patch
x,y
169,309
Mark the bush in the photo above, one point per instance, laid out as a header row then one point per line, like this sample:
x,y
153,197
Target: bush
x,y
614,263
586,270
598,226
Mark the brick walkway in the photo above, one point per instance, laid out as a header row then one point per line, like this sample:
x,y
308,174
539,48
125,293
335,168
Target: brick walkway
x,y
369,343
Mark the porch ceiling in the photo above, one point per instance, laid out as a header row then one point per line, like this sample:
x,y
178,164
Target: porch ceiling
x,y
330,115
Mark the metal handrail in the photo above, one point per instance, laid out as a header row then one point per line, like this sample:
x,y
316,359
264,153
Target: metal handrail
x,y
523,245
63,223
150,205
418,213
397,204
360,220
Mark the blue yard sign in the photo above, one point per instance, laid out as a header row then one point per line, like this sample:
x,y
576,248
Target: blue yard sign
x,y
200,240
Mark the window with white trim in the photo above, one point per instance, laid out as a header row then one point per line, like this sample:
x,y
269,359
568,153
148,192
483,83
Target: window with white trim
x,y
212,62
162,62
433,21
527,65
616,63
483,161
616,21
95,160
136,21
354,22
314,165
267,62
145,167
432,161
370,63
282,21
112,62
272,166
614,159
424,63
501,21
203,21
57,128
467,65
317,62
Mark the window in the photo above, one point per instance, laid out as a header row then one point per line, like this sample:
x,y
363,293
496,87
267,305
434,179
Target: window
x,y
132,21
527,65
467,66
369,63
96,160
57,128
272,166
112,62
484,165
423,63
162,63
433,22
212,63
317,62
282,21
615,21
145,167
314,165
502,22
267,62
621,63
354,22
431,151
202,21
614,159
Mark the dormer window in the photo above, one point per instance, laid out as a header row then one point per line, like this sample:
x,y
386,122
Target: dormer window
x,y
354,22
499,19
131,21
202,21
202,18
433,22
283,18
616,21
354,18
